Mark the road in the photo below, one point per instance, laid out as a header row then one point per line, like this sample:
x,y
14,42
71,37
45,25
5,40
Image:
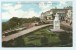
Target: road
x,y
23,32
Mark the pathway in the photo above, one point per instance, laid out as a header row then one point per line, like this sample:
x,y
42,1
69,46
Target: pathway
x,y
18,34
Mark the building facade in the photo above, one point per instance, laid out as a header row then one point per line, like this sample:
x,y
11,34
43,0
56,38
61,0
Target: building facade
x,y
68,17
50,15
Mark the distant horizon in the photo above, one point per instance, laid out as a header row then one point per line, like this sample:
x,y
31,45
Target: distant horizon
x,y
5,20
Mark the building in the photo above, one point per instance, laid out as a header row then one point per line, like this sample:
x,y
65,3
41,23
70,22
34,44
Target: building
x,y
50,15
46,17
62,13
68,17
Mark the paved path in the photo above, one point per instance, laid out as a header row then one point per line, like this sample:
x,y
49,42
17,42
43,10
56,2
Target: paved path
x,y
13,36
6,32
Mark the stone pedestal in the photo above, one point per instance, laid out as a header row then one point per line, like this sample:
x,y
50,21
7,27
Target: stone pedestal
x,y
57,30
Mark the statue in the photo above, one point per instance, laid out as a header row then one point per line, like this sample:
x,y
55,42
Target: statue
x,y
56,24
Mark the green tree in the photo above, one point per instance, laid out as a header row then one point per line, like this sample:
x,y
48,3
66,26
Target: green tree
x,y
13,22
5,26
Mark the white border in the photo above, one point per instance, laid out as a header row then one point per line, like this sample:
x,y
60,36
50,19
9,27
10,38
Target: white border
x,y
44,48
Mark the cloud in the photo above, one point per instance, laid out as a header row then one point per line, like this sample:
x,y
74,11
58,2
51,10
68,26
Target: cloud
x,y
30,13
69,3
15,11
62,4
20,14
24,14
6,15
10,6
11,11
7,6
17,6
45,6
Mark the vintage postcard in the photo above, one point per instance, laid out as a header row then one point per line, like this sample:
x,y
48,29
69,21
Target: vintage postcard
x,y
37,24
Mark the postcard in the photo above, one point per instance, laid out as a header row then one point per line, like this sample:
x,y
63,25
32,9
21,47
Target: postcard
x,y
37,24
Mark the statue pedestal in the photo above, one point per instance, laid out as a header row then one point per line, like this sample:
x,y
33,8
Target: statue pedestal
x,y
56,25
57,30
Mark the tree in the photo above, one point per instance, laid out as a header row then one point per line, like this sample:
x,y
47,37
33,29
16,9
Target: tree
x,y
14,22
5,26
17,22
36,19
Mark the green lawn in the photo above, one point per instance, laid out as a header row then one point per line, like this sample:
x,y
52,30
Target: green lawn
x,y
42,37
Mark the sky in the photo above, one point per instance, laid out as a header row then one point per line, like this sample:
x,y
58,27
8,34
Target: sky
x,y
29,9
